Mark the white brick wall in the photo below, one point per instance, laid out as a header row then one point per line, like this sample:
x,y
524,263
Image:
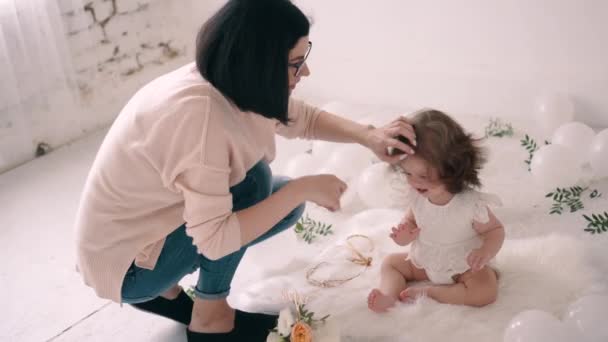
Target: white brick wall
x,y
116,47
113,39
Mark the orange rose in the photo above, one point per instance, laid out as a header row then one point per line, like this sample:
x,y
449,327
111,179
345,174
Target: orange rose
x,y
301,332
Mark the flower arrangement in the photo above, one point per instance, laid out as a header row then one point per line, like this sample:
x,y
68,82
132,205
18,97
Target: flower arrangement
x,y
301,326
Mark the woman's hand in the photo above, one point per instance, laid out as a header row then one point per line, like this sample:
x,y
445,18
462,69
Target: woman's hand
x,y
378,140
323,190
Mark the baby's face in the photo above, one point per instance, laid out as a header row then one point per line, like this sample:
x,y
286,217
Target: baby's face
x,y
422,177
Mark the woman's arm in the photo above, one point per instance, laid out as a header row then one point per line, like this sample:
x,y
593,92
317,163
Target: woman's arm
x,y
309,122
324,190
332,127
258,219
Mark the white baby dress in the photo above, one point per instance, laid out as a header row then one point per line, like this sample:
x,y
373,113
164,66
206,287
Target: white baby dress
x,y
446,232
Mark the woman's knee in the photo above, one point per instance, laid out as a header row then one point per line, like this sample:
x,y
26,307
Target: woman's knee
x,y
277,183
134,291
262,177
256,187
296,214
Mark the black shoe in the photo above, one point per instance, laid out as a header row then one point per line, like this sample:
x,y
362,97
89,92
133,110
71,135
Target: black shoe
x,y
232,336
256,325
178,309
248,327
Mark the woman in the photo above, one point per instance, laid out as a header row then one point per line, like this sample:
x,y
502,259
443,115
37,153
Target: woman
x,y
182,182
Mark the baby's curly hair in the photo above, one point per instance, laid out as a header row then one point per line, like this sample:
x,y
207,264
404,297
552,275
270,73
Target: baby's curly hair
x,y
445,145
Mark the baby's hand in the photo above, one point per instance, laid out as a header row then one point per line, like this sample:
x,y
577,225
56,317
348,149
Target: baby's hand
x,y
404,233
478,258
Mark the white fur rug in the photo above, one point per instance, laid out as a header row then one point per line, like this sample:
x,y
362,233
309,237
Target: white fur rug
x,y
546,273
547,262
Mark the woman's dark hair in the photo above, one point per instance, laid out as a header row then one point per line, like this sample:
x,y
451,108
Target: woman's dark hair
x,y
243,51
444,144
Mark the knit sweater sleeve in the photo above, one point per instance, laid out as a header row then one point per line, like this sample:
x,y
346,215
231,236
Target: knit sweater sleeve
x,y
210,221
303,118
192,154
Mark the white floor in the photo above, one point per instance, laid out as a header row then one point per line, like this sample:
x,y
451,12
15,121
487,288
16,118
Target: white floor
x,y
43,298
42,295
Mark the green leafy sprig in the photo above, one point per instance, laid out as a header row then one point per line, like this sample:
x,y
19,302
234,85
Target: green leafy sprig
x,y
309,229
566,197
569,198
497,128
597,223
308,317
531,146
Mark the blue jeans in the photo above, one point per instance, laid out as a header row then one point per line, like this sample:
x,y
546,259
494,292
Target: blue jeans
x,y
179,256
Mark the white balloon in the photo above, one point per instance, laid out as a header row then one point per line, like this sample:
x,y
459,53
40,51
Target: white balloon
x,y
301,165
537,326
348,161
363,220
555,166
598,155
348,198
576,136
553,110
379,186
322,150
588,315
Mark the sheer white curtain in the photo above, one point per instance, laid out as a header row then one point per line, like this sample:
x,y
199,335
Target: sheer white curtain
x,y
34,62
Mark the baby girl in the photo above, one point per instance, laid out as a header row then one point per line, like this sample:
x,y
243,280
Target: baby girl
x,y
452,231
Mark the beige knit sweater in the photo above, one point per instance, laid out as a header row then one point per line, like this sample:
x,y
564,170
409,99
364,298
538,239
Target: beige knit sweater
x,y
170,157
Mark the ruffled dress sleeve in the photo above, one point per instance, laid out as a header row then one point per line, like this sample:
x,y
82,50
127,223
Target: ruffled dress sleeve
x,y
482,201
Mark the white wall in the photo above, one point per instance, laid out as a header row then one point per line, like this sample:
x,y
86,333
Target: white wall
x,y
469,56
126,44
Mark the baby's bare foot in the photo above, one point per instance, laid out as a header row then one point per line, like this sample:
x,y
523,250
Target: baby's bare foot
x,y
379,302
411,293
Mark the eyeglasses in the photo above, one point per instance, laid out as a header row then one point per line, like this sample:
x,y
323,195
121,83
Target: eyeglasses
x,y
300,64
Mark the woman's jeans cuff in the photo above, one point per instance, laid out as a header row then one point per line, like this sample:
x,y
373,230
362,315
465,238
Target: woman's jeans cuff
x,y
211,296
